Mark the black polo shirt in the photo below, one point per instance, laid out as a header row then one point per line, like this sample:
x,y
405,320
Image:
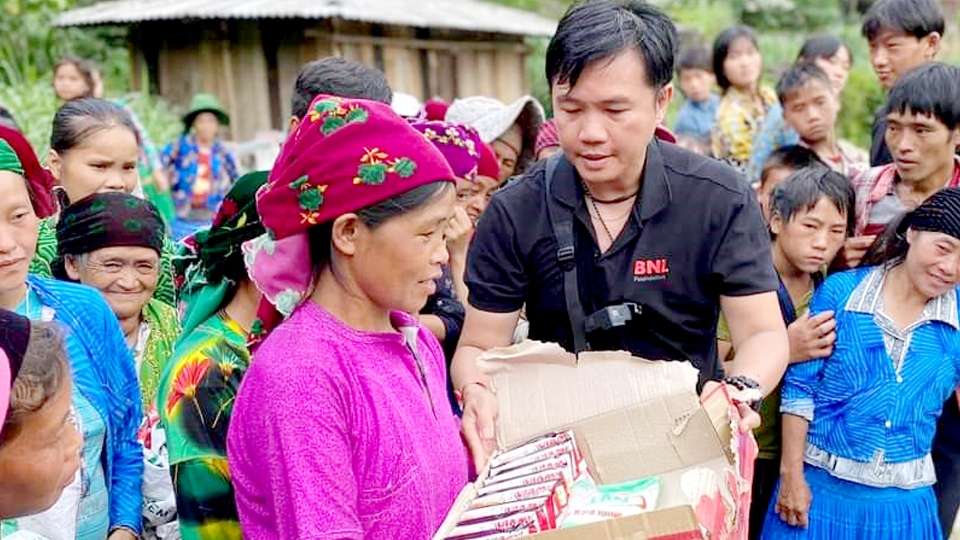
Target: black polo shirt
x,y
695,233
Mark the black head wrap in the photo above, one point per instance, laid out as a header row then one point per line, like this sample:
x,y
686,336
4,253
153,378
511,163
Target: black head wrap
x,y
940,213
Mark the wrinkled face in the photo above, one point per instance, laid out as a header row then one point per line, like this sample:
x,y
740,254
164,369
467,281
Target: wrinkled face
x,y
812,238
606,120
126,276
921,145
105,162
837,67
18,232
508,149
932,262
397,264
774,178
743,64
41,459
206,126
696,84
812,111
69,84
474,197
892,54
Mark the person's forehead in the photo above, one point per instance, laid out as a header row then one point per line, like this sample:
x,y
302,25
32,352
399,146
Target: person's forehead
x,y
909,116
742,43
626,63
888,34
128,253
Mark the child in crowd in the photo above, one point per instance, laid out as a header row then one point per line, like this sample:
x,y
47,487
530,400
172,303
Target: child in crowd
x,y
781,164
903,34
810,107
831,55
201,167
698,113
811,215
738,66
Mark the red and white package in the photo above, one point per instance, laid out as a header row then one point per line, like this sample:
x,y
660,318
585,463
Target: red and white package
x,y
491,535
555,490
545,510
566,463
552,475
563,449
532,447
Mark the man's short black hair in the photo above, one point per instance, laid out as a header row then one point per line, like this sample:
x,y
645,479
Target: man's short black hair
x,y
721,48
791,157
338,77
802,190
695,58
795,78
917,18
931,89
599,29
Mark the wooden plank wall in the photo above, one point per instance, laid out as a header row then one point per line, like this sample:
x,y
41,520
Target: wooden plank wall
x,y
228,59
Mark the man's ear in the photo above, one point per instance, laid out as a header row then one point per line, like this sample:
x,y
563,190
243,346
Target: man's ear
x,y
933,41
664,96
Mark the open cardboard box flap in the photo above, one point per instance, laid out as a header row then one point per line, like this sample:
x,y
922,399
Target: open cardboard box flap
x,y
542,388
632,418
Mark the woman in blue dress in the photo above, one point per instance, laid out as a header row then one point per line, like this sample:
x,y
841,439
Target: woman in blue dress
x,y
858,426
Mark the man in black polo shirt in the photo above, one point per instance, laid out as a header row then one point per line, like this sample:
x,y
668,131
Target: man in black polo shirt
x,y
660,237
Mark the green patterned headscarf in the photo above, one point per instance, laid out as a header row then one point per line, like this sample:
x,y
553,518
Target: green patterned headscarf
x,y
9,161
209,264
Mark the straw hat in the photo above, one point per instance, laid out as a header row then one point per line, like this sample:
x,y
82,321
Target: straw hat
x,y
492,118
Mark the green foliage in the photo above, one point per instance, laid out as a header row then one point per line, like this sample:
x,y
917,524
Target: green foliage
x,y
788,14
704,18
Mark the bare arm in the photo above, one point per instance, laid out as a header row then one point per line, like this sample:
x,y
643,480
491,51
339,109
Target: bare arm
x,y
759,336
793,503
435,325
482,330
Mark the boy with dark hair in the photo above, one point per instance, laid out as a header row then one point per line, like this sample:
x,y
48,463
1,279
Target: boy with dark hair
x,y
782,163
810,107
336,77
698,113
811,216
903,34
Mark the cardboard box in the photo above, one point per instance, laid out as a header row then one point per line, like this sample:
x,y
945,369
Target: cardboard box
x,y
632,418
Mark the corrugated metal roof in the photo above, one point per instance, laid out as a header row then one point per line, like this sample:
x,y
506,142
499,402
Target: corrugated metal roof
x,y
468,15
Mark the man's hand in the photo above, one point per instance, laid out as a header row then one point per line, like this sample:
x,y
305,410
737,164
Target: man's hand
x,y
480,411
855,248
793,503
749,418
812,337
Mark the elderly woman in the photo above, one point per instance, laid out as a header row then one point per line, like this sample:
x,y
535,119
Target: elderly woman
x,y
200,384
328,432
112,242
858,426
39,445
511,129
93,149
105,394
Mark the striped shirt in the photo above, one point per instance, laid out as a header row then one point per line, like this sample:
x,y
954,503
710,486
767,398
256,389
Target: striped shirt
x,y
877,398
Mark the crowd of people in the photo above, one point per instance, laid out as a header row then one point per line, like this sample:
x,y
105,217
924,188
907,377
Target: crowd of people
x,y
187,352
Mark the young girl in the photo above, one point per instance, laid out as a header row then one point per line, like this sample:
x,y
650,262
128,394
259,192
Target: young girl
x,y
93,149
201,167
858,425
39,445
76,78
738,66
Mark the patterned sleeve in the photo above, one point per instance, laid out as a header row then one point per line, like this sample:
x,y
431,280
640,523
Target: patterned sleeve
x,y
802,380
46,253
166,292
230,162
169,159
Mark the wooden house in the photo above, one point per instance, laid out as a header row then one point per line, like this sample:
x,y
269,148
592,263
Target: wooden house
x,y
248,52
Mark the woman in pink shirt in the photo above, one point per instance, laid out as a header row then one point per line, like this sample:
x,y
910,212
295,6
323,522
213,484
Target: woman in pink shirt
x,y
342,428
